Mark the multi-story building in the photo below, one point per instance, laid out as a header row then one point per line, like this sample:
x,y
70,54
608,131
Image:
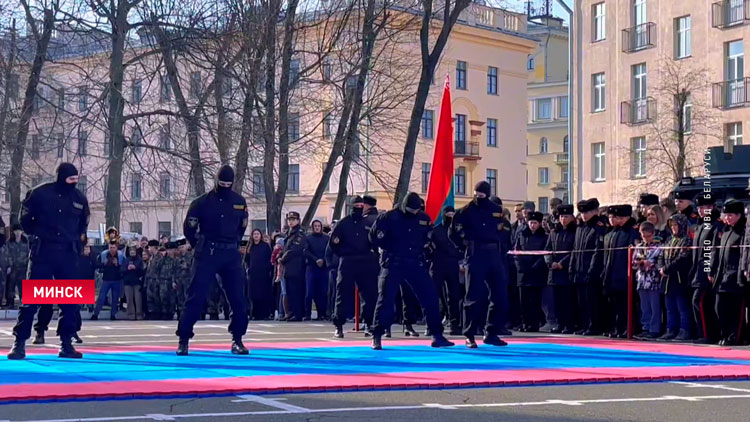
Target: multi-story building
x,y
639,60
486,58
547,128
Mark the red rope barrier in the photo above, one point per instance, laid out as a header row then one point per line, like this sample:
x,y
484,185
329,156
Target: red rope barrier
x,y
630,293
356,309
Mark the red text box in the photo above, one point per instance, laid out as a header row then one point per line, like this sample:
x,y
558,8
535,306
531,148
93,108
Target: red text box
x,y
59,292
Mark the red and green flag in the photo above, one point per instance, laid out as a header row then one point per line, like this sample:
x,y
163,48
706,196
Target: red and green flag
x,y
440,188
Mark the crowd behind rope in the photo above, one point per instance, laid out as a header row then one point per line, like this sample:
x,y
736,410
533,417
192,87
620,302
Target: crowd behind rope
x,y
567,272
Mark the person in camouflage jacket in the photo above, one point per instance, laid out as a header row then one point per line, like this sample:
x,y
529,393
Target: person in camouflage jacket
x,y
167,269
17,255
153,299
184,273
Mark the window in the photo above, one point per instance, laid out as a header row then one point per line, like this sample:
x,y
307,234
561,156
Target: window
x,y
491,132
428,124
327,71
461,75
492,80
735,72
135,227
83,99
544,175
327,124
165,89
83,139
165,186
13,87
599,162
639,93
293,179
34,146
566,143
600,85
105,182
682,37
425,176
562,111
687,115
543,145
135,188
258,186
165,228
460,181
258,224
195,85
136,140
544,109
294,72
638,157
60,145
83,184
61,98
227,87
564,175
36,180
543,204
136,92
293,127
492,180
460,128
600,21
734,133
165,141
530,62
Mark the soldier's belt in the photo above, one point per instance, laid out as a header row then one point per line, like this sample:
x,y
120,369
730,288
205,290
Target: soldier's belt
x,y
221,245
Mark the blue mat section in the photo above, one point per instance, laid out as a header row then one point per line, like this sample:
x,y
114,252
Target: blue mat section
x,y
329,361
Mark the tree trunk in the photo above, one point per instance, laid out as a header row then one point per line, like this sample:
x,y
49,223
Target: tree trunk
x,y
429,62
19,146
240,160
120,28
273,211
221,115
7,72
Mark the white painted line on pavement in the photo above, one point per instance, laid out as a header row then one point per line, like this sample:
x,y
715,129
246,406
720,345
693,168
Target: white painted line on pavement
x,y
716,386
273,402
299,410
159,417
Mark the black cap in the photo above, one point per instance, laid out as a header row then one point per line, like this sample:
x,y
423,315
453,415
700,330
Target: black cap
x,y
483,187
225,174
411,202
357,200
244,242
370,200
587,205
171,245
153,242
292,214
162,249
497,200
565,209
648,199
734,207
448,209
181,242
529,205
702,200
65,170
625,210
536,216
682,195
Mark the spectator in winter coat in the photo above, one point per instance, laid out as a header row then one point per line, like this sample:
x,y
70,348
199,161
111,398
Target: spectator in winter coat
x,y
648,279
260,269
562,238
133,272
316,273
674,267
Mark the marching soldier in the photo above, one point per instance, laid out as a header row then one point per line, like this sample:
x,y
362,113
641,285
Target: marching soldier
x,y
402,235
57,215
586,265
479,226
214,226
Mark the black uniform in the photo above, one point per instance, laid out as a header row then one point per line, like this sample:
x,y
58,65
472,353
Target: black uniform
x,y
480,226
350,243
532,273
615,268
214,225
57,215
585,267
293,259
445,270
402,237
562,239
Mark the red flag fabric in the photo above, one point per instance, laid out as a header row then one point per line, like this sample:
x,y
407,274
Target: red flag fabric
x,y
441,171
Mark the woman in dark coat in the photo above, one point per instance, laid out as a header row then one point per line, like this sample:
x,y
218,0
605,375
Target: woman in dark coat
x,y
259,269
674,266
532,271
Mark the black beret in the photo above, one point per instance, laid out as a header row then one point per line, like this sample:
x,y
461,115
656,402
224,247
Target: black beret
x,y
620,210
292,214
369,200
566,209
536,216
588,205
357,200
682,195
702,200
153,242
648,199
734,207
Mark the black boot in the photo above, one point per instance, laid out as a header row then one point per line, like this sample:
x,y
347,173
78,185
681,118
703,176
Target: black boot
x,y
77,339
238,348
376,344
493,340
39,339
388,332
409,331
67,351
440,341
470,342
339,333
18,351
182,347
368,331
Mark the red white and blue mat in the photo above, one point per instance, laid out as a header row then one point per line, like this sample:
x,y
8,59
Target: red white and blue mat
x,y
155,371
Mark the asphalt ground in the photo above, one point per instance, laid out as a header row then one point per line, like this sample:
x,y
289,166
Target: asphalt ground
x,y
658,401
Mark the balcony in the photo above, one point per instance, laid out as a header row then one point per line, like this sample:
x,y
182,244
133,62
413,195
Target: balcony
x,y
730,13
560,186
638,111
731,94
561,159
467,150
639,37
